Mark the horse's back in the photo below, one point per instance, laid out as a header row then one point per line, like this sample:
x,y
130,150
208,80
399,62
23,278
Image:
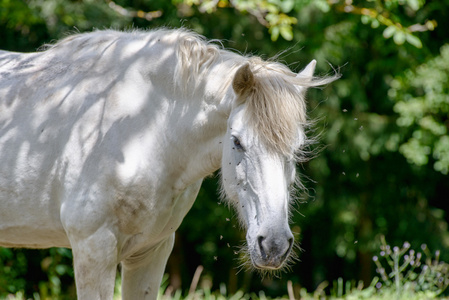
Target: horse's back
x,y
47,128
72,117
29,208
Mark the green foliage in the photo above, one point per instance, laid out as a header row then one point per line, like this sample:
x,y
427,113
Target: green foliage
x,y
274,15
12,267
48,274
422,102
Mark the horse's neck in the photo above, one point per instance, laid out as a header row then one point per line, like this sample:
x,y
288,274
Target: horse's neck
x,y
199,123
198,142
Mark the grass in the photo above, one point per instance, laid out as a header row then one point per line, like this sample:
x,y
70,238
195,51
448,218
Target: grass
x,y
402,274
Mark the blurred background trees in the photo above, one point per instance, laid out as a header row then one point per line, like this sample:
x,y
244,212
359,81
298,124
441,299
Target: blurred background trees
x,y
383,128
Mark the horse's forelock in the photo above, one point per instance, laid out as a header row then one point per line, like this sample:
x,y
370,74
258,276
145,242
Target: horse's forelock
x,y
276,109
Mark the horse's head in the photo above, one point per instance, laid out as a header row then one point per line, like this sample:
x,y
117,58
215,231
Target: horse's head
x,y
264,130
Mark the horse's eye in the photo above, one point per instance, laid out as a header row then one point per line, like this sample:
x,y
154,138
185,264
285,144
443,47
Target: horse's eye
x,y
237,144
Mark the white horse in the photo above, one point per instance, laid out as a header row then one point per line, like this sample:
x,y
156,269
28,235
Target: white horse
x,y
106,137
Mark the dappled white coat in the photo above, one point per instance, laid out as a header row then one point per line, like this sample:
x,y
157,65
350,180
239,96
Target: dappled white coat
x,y
104,141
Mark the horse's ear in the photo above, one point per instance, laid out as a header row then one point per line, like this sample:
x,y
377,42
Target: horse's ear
x,y
306,75
243,80
308,70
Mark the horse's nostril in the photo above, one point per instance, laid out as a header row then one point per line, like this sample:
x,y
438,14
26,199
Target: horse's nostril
x,y
272,250
260,242
290,246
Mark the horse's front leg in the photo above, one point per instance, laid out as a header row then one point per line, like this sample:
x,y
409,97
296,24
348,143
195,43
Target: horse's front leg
x,y
95,263
142,273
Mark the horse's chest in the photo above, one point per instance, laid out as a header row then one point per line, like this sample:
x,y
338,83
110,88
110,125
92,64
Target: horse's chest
x,y
154,216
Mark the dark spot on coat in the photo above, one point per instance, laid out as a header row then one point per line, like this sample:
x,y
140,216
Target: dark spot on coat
x,y
127,210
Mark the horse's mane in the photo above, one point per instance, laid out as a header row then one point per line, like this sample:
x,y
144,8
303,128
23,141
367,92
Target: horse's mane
x,y
275,107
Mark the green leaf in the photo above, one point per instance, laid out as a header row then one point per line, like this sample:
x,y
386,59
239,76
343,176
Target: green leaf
x,y
322,5
399,38
272,18
274,33
286,6
414,4
413,40
389,31
286,32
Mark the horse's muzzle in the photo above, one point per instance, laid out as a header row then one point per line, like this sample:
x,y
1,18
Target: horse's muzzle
x,y
271,251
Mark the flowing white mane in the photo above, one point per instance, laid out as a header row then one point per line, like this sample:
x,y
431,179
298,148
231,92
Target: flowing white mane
x,y
275,107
